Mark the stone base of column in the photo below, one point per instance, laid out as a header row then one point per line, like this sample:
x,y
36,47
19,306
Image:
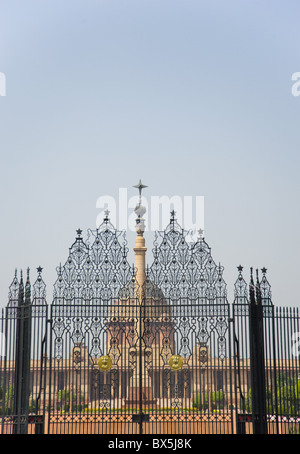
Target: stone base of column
x,y
133,399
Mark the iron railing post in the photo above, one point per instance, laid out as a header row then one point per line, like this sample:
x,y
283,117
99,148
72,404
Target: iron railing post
x,y
22,364
257,361
19,358
275,369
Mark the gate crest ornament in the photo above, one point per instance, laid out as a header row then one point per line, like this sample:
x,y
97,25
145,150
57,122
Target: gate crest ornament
x,y
105,363
176,362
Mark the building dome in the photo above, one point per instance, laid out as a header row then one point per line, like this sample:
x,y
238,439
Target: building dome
x,y
131,300
149,290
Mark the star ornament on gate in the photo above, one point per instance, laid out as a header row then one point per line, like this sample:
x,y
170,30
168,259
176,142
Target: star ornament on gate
x,y
106,219
200,233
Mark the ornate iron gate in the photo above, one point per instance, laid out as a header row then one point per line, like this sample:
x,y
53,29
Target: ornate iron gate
x,y
125,359
170,357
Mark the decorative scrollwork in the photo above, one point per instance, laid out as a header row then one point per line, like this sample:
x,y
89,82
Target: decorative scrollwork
x,y
261,290
95,270
203,355
176,402
186,270
13,292
265,289
240,288
39,289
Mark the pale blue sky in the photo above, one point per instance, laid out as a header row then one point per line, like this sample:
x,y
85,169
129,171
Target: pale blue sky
x,y
193,97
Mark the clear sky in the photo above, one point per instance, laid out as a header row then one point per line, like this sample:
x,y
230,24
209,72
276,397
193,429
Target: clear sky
x,y
192,96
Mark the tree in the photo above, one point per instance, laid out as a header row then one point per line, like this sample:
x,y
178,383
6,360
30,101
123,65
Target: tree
x,y
201,401
9,400
64,398
286,394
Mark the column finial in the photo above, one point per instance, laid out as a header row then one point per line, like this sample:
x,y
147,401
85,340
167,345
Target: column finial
x,y
140,186
140,210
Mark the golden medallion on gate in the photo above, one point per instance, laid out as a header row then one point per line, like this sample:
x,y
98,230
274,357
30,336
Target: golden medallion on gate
x,y
176,362
105,363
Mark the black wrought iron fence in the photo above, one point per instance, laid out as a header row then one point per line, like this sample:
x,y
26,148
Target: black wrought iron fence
x,y
68,390
172,357
266,381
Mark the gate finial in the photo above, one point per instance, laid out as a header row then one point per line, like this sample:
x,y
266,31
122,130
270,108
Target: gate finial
x,y
252,288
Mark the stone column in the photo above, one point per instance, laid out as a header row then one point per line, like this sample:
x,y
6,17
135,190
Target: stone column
x,y
139,391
